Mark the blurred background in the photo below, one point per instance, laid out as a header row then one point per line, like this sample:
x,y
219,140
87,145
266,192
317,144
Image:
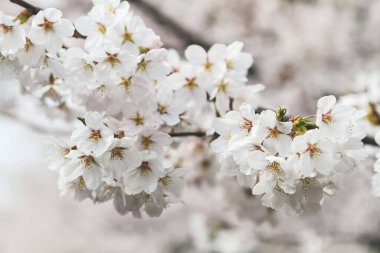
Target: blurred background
x,y
303,49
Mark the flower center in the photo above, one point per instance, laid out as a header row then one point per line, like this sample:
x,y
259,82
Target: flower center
x,y
144,168
230,64
139,120
327,118
95,135
87,66
126,82
127,36
112,59
143,65
86,160
47,25
191,84
101,28
222,86
208,65
273,133
247,124
146,141
117,153
101,88
307,182
165,181
274,167
313,149
162,109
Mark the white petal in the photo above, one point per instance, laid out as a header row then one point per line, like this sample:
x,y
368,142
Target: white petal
x,y
92,177
196,54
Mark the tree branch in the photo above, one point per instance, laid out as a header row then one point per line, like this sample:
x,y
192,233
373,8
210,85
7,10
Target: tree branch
x,y
187,134
31,8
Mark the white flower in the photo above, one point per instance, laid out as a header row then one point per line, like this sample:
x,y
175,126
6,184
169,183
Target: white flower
x,y
131,86
121,156
31,55
57,155
169,108
112,58
150,64
78,186
242,121
224,89
49,29
138,116
309,194
82,165
332,119
78,64
173,182
189,85
236,59
153,140
273,175
94,137
313,154
275,133
94,26
212,62
145,177
220,144
12,37
132,34
275,199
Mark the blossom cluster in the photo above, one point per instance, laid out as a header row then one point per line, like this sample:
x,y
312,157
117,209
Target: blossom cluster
x,y
131,92
366,96
133,98
101,162
294,162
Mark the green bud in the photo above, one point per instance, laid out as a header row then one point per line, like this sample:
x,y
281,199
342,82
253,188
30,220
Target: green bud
x,y
300,125
280,114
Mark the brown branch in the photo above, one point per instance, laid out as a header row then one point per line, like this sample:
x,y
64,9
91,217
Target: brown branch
x,y
33,10
187,134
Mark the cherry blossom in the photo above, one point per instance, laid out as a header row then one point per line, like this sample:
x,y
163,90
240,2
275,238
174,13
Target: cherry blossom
x,y
49,29
133,106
